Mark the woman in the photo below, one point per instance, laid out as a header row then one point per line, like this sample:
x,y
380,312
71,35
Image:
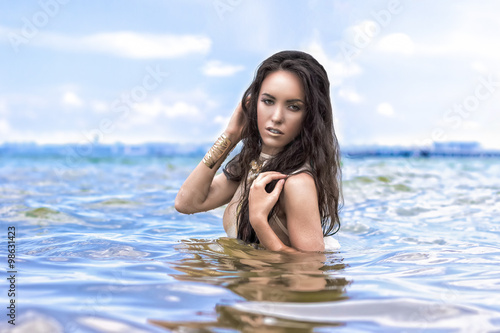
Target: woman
x,y
284,187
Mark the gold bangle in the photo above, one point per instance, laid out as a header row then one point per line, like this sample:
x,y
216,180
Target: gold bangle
x,y
220,147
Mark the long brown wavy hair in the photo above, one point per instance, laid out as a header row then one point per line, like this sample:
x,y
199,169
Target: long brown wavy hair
x,y
316,144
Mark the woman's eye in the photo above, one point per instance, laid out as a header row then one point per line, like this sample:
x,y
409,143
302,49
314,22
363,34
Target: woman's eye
x,y
295,107
267,101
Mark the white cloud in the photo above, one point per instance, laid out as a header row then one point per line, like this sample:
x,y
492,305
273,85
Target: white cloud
x,y
385,109
129,44
480,67
99,106
71,99
217,68
4,126
362,33
254,38
3,107
398,43
338,69
181,109
461,44
151,109
42,137
471,125
490,139
359,37
221,120
148,111
350,95
168,106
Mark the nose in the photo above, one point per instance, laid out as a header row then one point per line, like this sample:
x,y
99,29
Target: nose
x,y
277,116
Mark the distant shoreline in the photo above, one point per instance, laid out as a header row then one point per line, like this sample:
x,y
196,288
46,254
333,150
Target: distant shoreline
x,y
98,150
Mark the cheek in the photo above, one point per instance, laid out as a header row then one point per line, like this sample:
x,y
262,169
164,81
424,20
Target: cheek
x,y
260,124
298,125
260,118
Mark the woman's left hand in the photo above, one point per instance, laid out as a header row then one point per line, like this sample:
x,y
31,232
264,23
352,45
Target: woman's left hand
x,y
260,202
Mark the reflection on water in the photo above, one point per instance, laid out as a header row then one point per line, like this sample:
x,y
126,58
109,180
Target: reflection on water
x,y
258,275
228,317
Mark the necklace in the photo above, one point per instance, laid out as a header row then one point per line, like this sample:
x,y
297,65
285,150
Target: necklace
x,y
255,167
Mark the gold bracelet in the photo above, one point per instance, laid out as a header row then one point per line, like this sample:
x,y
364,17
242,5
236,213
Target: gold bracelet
x,y
220,147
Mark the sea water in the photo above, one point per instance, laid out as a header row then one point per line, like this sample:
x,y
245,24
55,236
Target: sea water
x,y
99,247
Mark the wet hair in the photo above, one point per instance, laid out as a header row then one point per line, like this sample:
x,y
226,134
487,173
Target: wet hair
x,y
316,144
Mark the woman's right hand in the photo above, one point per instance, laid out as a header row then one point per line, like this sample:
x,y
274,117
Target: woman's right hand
x,y
260,202
236,124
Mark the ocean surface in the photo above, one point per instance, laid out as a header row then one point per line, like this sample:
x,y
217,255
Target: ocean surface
x,y
99,247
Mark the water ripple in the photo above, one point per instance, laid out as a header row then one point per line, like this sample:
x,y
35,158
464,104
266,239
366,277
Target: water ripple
x,y
102,248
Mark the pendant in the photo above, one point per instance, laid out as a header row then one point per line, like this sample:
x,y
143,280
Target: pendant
x,y
255,166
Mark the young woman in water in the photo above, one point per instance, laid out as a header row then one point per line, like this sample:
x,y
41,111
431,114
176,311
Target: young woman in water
x,y
283,189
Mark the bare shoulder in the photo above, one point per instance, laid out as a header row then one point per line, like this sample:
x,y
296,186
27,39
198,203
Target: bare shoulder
x,y
300,204
299,189
302,183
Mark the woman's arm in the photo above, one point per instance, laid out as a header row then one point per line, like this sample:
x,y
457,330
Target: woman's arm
x,y
300,203
204,191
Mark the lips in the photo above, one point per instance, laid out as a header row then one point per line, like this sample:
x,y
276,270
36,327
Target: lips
x,y
274,131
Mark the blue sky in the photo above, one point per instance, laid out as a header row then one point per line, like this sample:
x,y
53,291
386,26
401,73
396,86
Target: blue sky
x,y
402,72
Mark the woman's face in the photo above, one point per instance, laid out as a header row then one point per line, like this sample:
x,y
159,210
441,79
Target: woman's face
x,y
280,110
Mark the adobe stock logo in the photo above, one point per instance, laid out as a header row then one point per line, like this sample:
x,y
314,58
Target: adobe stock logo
x,y
31,28
483,91
364,34
456,115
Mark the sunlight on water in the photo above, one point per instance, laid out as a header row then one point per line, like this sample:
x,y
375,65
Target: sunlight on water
x,y
100,248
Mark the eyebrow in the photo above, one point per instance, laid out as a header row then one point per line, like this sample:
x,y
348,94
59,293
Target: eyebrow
x,y
288,101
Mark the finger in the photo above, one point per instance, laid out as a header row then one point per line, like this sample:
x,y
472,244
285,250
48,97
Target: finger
x,y
272,174
267,177
278,188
